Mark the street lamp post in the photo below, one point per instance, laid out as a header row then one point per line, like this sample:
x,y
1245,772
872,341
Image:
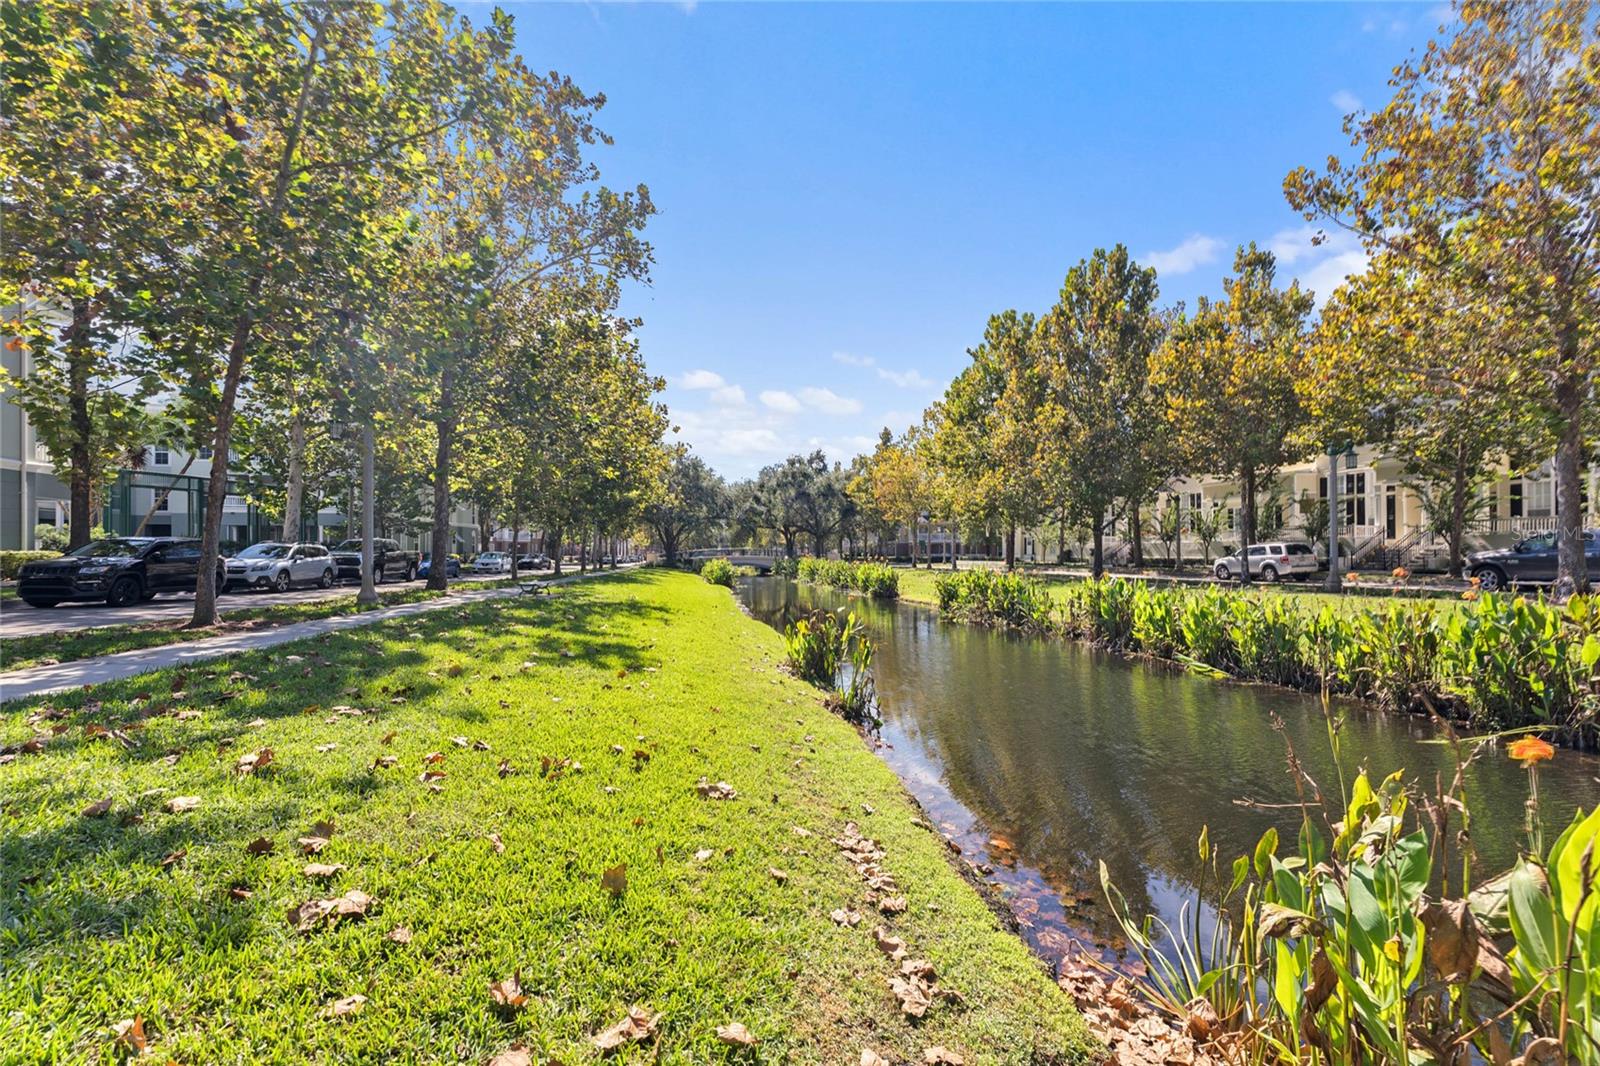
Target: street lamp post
x,y
1335,582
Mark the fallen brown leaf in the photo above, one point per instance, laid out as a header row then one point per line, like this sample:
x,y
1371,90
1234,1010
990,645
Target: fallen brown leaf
x,y
313,913
892,905
499,845
846,917
323,869
259,846
250,762
508,994
312,845
399,934
737,1035
180,804
97,809
872,1058
615,880
778,875
339,1008
385,761
172,858
515,1055
327,747
941,1056
637,1026
129,1033
891,946
719,790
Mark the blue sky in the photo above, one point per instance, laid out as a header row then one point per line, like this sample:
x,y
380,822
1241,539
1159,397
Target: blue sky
x,y
848,191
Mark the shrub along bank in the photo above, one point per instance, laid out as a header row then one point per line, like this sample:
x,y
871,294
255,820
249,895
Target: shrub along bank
x,y
1496,662
879,580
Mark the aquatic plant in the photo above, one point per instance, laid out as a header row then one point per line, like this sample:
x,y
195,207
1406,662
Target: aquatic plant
x,y
879,580
986,597
1339,951
834,654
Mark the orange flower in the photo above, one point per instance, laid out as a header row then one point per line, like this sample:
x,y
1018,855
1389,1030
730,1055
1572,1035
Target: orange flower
x,y
1470,594
1400,573
1530,751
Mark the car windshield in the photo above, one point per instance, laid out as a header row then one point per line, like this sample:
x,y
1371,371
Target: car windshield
x,y
264,551
108,549
348,546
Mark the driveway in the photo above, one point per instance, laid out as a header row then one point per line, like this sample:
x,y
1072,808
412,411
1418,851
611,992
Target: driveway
x,y
17,619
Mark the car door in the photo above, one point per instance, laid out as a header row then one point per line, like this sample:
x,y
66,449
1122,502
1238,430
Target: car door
x,y
301,565
1258,555
179,566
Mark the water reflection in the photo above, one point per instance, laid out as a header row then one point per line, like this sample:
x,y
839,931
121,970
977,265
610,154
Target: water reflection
x,y
1043,758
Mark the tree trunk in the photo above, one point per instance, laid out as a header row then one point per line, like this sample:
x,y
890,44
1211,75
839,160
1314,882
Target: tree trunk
x,y
1335,582
552,539
163,494
1458,510
1247,524
439,572
669,543
1572,569
1097,567
1011,547
205,595
295,486
369,557
1061,534
1137,529
80,519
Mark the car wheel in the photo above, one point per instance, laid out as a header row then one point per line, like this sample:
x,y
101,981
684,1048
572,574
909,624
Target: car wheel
x,y
281,582
1490,579
1223,573
1269,574
411,572
326,581
377,573
36,602
124,592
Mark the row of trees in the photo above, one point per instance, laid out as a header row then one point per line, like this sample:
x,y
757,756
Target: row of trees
x,y
284,225
1470,340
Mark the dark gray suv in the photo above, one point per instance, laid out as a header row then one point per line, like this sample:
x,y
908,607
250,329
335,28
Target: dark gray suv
x,y
1530,561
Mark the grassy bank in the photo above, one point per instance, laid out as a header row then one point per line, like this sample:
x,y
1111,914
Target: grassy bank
x,y
19,653
648,683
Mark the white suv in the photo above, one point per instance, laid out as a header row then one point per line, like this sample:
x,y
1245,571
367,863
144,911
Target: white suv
x,y
1272,562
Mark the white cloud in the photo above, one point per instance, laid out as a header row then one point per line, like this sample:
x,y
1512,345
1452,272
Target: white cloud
x,y
1319,267
702,379
1196,251
1346,101
905,379
828,402
853,360
728,396
779,400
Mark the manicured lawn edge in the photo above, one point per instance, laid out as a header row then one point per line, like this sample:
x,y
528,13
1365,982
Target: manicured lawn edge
x,y
704,933
19,653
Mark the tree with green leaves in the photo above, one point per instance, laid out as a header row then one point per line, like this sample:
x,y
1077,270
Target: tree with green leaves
x,y
1229,374
1481,174
691,503
898,485
1097,419
104,128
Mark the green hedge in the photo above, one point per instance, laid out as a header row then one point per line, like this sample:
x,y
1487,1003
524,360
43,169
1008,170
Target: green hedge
x,y
1498,662
874,579
11,561
718,572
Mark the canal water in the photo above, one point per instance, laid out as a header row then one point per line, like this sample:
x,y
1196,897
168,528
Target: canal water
x,y
1042,758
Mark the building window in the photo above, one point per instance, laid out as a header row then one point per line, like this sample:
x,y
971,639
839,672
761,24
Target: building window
x,y
162,457
1322,487
205,451
1516,499
48,514
162,499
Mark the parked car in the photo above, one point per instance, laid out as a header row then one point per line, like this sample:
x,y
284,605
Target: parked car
x,y
1273,561
280,567
492,563
119,570
452,566
389,560
1529,561
535,561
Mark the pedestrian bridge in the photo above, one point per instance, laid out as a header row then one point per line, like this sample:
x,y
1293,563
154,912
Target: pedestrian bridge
x,y
755,558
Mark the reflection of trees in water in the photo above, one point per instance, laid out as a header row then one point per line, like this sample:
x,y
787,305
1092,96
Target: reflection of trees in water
x,y
1075,756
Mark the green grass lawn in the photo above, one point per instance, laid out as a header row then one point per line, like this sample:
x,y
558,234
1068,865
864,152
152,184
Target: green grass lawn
x,y
916,586
647,682
19,653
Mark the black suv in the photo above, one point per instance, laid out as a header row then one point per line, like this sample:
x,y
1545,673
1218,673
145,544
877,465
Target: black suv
x,y
1530,561
119,570
391,560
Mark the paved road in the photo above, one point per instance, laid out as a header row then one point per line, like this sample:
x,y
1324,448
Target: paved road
x,y
17,619
40,680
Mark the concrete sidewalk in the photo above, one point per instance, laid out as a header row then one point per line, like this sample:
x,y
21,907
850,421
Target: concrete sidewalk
x,y
41,680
